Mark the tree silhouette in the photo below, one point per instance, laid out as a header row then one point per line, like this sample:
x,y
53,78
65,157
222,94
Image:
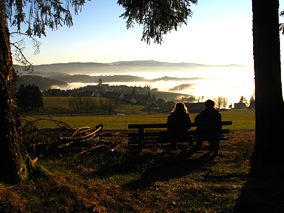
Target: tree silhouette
x,y
34,16
251,102
269,107
29,97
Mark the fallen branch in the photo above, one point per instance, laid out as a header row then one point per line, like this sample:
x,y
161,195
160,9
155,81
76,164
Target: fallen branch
x,y
64,141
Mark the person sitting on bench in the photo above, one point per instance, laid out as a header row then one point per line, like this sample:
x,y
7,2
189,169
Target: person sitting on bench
x,y
178,124
209,126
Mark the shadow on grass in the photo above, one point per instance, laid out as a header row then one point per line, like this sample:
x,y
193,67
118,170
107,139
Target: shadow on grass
x,y
163,170
154,166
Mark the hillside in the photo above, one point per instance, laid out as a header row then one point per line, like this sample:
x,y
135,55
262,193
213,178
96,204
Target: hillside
x,y
42,82
174,77
115,67
95,79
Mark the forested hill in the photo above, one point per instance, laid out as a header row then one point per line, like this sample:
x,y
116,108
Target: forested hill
x,y
63,79
42,82
47,75
93,68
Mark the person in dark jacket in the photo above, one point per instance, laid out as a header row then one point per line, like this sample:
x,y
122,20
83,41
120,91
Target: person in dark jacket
x,y
178,124
209,125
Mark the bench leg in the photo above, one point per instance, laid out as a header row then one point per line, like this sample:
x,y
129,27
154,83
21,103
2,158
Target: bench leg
x,y
213,148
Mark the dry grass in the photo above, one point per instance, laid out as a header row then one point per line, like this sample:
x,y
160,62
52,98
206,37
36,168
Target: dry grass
x,y
156,180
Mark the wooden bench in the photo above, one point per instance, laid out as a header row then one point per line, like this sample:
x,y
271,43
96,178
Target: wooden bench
x,y
144,134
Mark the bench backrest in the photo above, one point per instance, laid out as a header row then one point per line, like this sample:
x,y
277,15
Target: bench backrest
x,y
164,125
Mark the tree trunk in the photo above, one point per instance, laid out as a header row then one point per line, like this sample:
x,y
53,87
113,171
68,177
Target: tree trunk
x,y
13,157
269,108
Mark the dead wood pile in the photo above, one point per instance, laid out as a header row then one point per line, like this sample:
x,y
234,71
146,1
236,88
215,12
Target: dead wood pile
x,y
64,141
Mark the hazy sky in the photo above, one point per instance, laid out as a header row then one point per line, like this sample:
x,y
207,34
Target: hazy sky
x,y
219,32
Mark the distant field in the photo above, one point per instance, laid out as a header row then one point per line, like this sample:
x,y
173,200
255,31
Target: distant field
x,y
243,119
56,104
61,105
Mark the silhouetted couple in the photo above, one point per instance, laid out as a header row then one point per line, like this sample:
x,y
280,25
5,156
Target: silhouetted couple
x,y
208,124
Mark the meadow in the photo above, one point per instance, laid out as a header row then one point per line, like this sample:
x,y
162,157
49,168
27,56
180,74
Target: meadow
x,y
155,180
243,119
158,179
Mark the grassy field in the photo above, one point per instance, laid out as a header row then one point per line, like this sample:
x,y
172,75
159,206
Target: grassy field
x,y
158,179
243,119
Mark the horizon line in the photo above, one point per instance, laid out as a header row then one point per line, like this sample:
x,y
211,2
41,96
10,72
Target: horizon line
x,y
131,61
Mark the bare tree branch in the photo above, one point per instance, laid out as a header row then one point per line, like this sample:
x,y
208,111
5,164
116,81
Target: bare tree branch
x,y
18,50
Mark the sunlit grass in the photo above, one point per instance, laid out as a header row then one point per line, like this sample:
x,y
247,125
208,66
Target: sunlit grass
x,y
242,119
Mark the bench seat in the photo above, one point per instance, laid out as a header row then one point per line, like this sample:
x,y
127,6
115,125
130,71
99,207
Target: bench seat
x,y
145,134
